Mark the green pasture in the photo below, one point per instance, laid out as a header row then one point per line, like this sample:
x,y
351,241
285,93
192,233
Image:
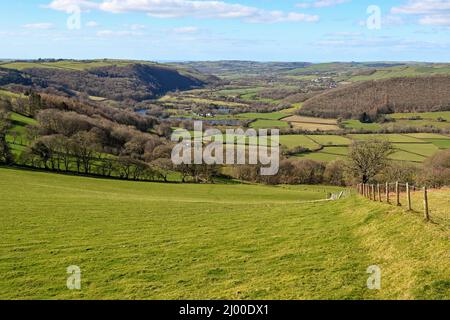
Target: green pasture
x,y
172,241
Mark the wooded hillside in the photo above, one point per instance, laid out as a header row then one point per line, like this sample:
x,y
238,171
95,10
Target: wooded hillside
x,y
419,94
137,82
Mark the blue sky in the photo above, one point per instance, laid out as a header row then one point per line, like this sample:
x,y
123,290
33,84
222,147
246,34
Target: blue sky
x,y
264,30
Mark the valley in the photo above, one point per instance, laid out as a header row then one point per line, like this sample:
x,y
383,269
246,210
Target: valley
x,y
87,180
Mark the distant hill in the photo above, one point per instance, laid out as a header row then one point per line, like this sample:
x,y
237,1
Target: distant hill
x,y
243,68
363,71
409,94
115,80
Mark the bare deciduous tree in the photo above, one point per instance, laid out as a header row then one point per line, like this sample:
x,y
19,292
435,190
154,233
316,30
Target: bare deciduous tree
x,y
368,158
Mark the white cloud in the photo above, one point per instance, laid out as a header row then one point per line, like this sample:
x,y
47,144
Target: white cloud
x,y
120,33
38,26
186,8
429,12
379,42
420,7
436,20
92,24
70,5
388,20
344,34
186,30
137,27
320,3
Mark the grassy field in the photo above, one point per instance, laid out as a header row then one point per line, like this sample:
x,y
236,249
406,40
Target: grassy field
x,y
67,64
254,97
295,107
399,123
439,208
420,124
269,124
327,154
262,116
17,133
404,71
358,125
330,140
312,124
394,138
163,241
9,94
297,140
408,147
424,115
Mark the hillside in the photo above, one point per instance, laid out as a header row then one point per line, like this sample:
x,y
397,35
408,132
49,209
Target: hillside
x,y
242,68
8,76
115,80
363,71
410,94
159,241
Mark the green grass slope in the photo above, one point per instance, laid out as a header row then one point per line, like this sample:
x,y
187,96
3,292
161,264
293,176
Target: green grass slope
x,y
159,241
17,134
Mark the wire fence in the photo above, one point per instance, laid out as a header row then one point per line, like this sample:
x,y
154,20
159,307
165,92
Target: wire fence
x,y
433,204
339,195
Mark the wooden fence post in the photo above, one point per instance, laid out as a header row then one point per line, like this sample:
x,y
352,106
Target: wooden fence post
x,y
408,196
379,192
397,191
425,204
387,192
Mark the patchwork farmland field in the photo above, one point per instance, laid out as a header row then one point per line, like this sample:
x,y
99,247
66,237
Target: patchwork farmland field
x,y
269,124
168,241
394,138
411,147
424,115
438,120
312,124
327,154
292,141
326,140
